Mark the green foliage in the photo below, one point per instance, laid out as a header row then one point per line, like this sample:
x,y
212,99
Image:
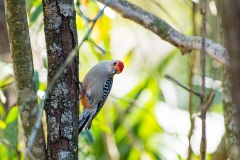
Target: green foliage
x,y
35,14
9,135
8,118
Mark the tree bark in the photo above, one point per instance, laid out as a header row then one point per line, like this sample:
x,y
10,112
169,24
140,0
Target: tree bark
x,y
63,101
231,119
230,11
24,74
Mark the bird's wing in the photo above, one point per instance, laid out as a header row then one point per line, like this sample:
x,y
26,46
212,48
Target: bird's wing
x,y
106,90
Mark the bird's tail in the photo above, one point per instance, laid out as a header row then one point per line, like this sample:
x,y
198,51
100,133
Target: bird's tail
x,y
82,123
85,119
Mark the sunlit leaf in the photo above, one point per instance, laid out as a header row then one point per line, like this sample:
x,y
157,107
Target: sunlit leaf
x,y
102,126
2,124
129,56
12,115
3,152
11,130
79,23
134,154
2,111
217,108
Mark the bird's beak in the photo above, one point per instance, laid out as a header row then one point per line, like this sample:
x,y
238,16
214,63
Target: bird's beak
x,y
113,71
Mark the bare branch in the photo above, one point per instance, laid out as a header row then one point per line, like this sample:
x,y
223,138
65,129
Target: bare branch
x,y
166,32
203,147
183,86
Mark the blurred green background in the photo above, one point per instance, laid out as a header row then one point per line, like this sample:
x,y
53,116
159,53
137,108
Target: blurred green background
x,y
146,116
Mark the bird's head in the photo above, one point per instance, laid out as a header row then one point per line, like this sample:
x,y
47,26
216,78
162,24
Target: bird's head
x,y
117,67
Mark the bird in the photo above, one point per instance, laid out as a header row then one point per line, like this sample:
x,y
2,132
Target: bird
x,y
95,88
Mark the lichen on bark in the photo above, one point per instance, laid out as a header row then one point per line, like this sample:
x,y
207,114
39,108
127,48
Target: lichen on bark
x,y
231,119
61,105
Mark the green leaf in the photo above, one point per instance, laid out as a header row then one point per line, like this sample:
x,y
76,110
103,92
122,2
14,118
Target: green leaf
x,y
36,77
45,63
3,152
2,124
88,136
129,56
36,13
12,115
6,81
11,130
2,110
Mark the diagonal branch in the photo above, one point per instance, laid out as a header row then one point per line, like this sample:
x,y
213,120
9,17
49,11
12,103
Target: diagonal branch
x,y
166,32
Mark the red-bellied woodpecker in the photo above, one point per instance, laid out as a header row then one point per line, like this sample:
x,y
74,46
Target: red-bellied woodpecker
x,y
95,87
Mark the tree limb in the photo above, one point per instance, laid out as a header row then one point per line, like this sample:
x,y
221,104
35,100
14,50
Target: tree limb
x,y
166,32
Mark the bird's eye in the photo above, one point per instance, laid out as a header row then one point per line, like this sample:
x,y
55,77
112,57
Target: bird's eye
x,y
115,63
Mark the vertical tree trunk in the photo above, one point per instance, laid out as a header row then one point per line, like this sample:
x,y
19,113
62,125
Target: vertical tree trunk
x,y
231,119
62,103
23,72
230,11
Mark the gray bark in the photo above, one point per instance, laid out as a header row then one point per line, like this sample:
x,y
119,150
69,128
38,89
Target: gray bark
x,y
63,101
230,11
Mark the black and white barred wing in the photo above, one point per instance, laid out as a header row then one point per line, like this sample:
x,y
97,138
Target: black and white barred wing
x,y
106,90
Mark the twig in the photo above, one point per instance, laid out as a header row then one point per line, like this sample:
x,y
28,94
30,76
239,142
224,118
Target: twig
x,y
98,47
183,86
203,64
55,78
193,66
210,100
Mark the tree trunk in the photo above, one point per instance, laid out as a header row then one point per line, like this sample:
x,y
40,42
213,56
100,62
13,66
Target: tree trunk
x,y
24,74
230,11
63,101
231,119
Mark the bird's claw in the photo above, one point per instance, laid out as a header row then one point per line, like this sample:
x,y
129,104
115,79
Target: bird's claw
x,y
82,87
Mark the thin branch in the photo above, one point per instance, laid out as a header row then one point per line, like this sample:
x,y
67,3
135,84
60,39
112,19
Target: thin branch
x,y
55,78
182,85
203,64
210,99
192,61
98,47
166,32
